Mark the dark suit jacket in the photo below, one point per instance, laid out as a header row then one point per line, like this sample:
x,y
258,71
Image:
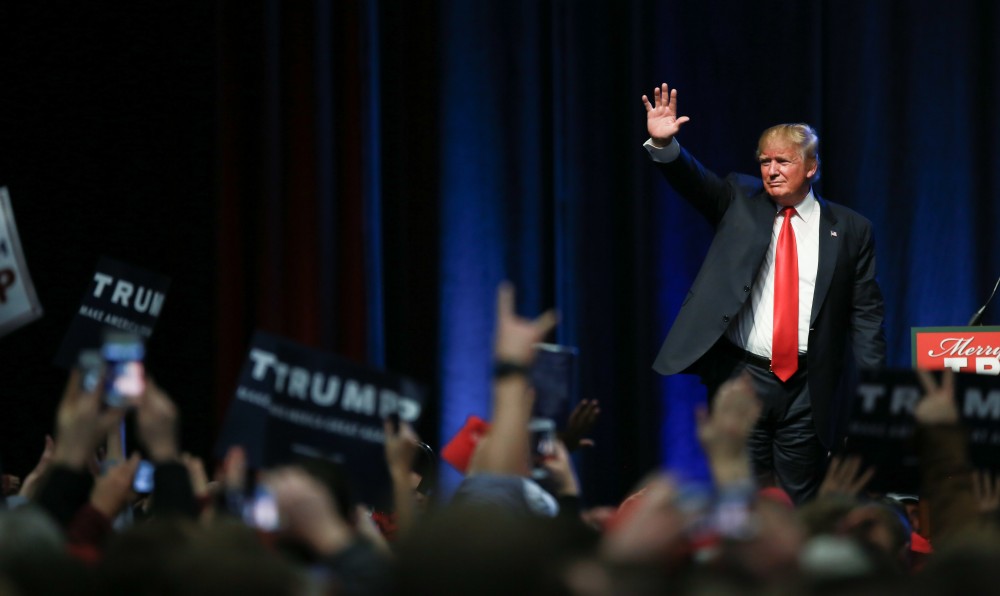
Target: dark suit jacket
x,y
847,305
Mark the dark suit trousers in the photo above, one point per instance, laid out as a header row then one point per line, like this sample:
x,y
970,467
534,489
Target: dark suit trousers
x,y
784,447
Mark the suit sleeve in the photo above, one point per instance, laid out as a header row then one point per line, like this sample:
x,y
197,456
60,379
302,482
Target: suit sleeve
x,y
700,187
868,307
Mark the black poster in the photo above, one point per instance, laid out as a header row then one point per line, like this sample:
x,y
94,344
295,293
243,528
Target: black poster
x,y
119,296
882,427
293,401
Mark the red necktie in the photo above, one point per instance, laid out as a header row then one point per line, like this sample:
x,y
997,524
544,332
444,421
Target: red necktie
x,y
785,341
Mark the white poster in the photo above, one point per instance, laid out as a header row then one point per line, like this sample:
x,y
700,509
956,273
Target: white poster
x,y
18,303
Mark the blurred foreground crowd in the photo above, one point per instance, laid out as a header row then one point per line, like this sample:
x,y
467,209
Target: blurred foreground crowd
x,y
76,524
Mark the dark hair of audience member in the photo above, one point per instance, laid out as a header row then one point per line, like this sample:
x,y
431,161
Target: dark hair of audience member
x,y
965,565
33,556
228,558
135,560
485,551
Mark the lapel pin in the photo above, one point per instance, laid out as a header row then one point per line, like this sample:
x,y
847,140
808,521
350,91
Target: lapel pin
x,y
833,233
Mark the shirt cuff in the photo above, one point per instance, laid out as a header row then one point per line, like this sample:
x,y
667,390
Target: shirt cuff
x,y
663,154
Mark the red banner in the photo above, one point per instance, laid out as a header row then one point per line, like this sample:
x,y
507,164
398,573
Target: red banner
x,y
962,349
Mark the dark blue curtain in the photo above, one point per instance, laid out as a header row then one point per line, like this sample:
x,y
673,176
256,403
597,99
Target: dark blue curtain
x,y
488,140
540,185
544,180
367,172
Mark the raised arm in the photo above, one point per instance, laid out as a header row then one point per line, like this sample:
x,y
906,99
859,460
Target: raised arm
x,y
400,451
662,121
156,421
507,450
723,432
699,186
945,470
81,423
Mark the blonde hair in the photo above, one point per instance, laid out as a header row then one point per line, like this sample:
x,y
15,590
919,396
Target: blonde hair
x,y
800,134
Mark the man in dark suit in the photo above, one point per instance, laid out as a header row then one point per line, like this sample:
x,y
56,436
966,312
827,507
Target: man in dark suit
x,y
787,286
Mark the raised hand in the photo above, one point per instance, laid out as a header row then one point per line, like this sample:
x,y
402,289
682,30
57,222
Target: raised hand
x,y
156,420
843,478
232,474
31,481
113,491
723,433
986,489
937,406
581,420
661,116
400,448
308,511
561,471
516,336
507,451
81,424
200,485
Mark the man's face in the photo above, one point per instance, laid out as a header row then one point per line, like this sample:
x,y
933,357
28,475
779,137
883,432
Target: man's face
x,y
784,171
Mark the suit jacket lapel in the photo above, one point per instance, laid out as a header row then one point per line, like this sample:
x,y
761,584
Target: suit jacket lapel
x,y
830,240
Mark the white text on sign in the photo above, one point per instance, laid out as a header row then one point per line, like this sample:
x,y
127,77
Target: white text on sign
x,y
128,295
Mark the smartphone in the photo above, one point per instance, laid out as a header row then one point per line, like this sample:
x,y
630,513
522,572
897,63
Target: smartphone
x,y
553,377
91,366
143,481
260,510
124,373
543,445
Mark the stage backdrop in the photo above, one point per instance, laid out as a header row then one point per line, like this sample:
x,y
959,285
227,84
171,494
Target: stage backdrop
x,y
359,176
502,140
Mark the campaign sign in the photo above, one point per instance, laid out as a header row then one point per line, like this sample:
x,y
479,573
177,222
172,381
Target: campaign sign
x,y
119,296
293,401
962,349
18,303
881,427
554,379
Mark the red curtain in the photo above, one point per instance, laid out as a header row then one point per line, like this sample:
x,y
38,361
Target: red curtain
x,y
290,228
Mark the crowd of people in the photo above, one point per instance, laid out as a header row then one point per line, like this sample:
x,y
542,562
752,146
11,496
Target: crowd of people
x,y
75,524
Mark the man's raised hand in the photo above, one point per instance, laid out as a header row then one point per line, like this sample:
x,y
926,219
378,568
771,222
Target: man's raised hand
x,y
661,116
